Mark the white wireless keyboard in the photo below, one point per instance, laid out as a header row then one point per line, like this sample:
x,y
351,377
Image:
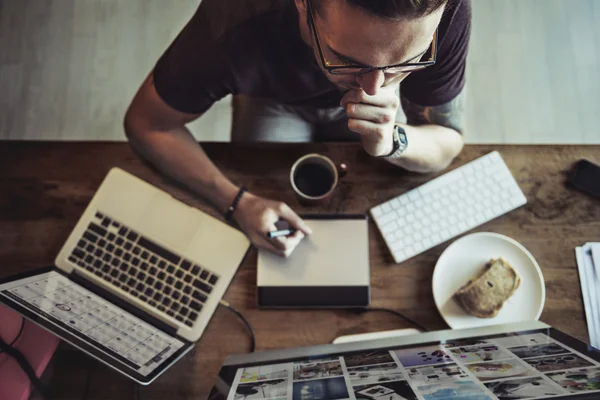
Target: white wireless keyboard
x,y
448,206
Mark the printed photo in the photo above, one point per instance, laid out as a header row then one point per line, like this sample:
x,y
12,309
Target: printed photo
x,y
480,353
261,390
436,373
558,363
375,374
264,373
493,370
464,342
322,389
538,350
583,380
455,390
370,358
318,360
528,388
423,356
317,370
399,390
523,340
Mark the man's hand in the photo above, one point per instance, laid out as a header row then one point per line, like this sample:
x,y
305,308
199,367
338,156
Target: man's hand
x,y
257,216
373,117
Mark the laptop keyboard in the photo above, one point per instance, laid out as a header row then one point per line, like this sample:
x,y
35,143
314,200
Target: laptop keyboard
x,y
144,269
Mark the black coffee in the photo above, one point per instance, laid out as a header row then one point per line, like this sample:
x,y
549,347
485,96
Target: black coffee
x,y
313,179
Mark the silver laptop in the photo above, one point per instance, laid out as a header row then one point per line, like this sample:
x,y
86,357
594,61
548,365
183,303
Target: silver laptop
x,y
136,282
528,360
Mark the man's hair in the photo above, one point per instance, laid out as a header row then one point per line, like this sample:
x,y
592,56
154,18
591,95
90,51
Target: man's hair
x,y
393,9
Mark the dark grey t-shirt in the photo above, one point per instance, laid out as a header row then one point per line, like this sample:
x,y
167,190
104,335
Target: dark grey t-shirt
x,y
254,47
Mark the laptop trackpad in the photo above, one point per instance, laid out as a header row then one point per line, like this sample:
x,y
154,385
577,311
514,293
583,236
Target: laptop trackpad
x,y
169,222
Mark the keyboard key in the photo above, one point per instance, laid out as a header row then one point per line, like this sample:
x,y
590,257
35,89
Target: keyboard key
x,y
106,222
114,273
105,268
185,300
171,268
115,262
204,275
178,285
97,229
166,301
111,237
161,275
175,306
132,236
127,257
189,323
91,237
170,280
157,249
99,215
202,286
179,273
199,296
176,295
119,253
152,303
141,276
213,279
137,250
123,277
144,266
179,318
162,264
157,296
162,308
186,265
78,253
140,287
170,313
135,261
123,231
187,290
193,316
145,255
90,248
72,259
127,246
133,271
153,271
119,241
98,253
167,291
184,311
143,298
110,248
123,266
131,282
188,278
150,280
153,260
149,292
158,285
196,270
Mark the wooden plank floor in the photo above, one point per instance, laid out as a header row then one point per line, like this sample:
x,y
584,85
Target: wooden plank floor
x,y
68,68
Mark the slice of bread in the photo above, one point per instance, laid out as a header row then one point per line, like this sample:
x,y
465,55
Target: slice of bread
x,y
485,295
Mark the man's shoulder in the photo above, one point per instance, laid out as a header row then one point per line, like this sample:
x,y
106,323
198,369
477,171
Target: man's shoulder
x,y
225,15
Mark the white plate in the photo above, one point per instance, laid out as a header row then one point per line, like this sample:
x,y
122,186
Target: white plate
x,y
465,258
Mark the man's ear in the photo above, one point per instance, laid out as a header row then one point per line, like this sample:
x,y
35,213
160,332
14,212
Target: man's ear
x,y
301,6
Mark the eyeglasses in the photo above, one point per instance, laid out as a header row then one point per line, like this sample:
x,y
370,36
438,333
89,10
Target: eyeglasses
x,y
355,69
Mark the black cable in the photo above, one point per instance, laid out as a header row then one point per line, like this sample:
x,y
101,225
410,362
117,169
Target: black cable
x,y
389,311
245,321
18,334
25,366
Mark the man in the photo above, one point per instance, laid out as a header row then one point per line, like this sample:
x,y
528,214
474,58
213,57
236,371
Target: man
x,y
306,70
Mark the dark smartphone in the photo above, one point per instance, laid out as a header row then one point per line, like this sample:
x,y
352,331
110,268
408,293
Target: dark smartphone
x,y
586,177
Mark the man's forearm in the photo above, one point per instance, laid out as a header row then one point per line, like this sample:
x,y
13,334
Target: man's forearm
x,y
431,148
177,154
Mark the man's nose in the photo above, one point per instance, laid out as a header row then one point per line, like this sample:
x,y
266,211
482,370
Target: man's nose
x,y
371,82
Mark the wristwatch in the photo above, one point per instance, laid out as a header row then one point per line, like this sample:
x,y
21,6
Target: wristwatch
x,y
400,143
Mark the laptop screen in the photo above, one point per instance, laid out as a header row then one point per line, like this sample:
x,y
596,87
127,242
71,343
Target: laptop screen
x,y
526,365
92,323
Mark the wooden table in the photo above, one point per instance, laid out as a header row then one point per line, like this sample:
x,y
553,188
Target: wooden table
x,y
44,187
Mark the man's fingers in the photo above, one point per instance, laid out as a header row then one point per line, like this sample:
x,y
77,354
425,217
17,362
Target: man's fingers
x,y
293,219
270,246
383,98
371,113
366,129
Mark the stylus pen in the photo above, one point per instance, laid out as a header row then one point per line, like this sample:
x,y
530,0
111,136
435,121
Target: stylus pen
x,y
283,232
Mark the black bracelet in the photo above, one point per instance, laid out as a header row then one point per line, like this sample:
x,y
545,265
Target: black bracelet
x,y
234,204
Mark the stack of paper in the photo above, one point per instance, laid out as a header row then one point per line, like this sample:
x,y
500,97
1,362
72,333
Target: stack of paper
x,y
588,263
